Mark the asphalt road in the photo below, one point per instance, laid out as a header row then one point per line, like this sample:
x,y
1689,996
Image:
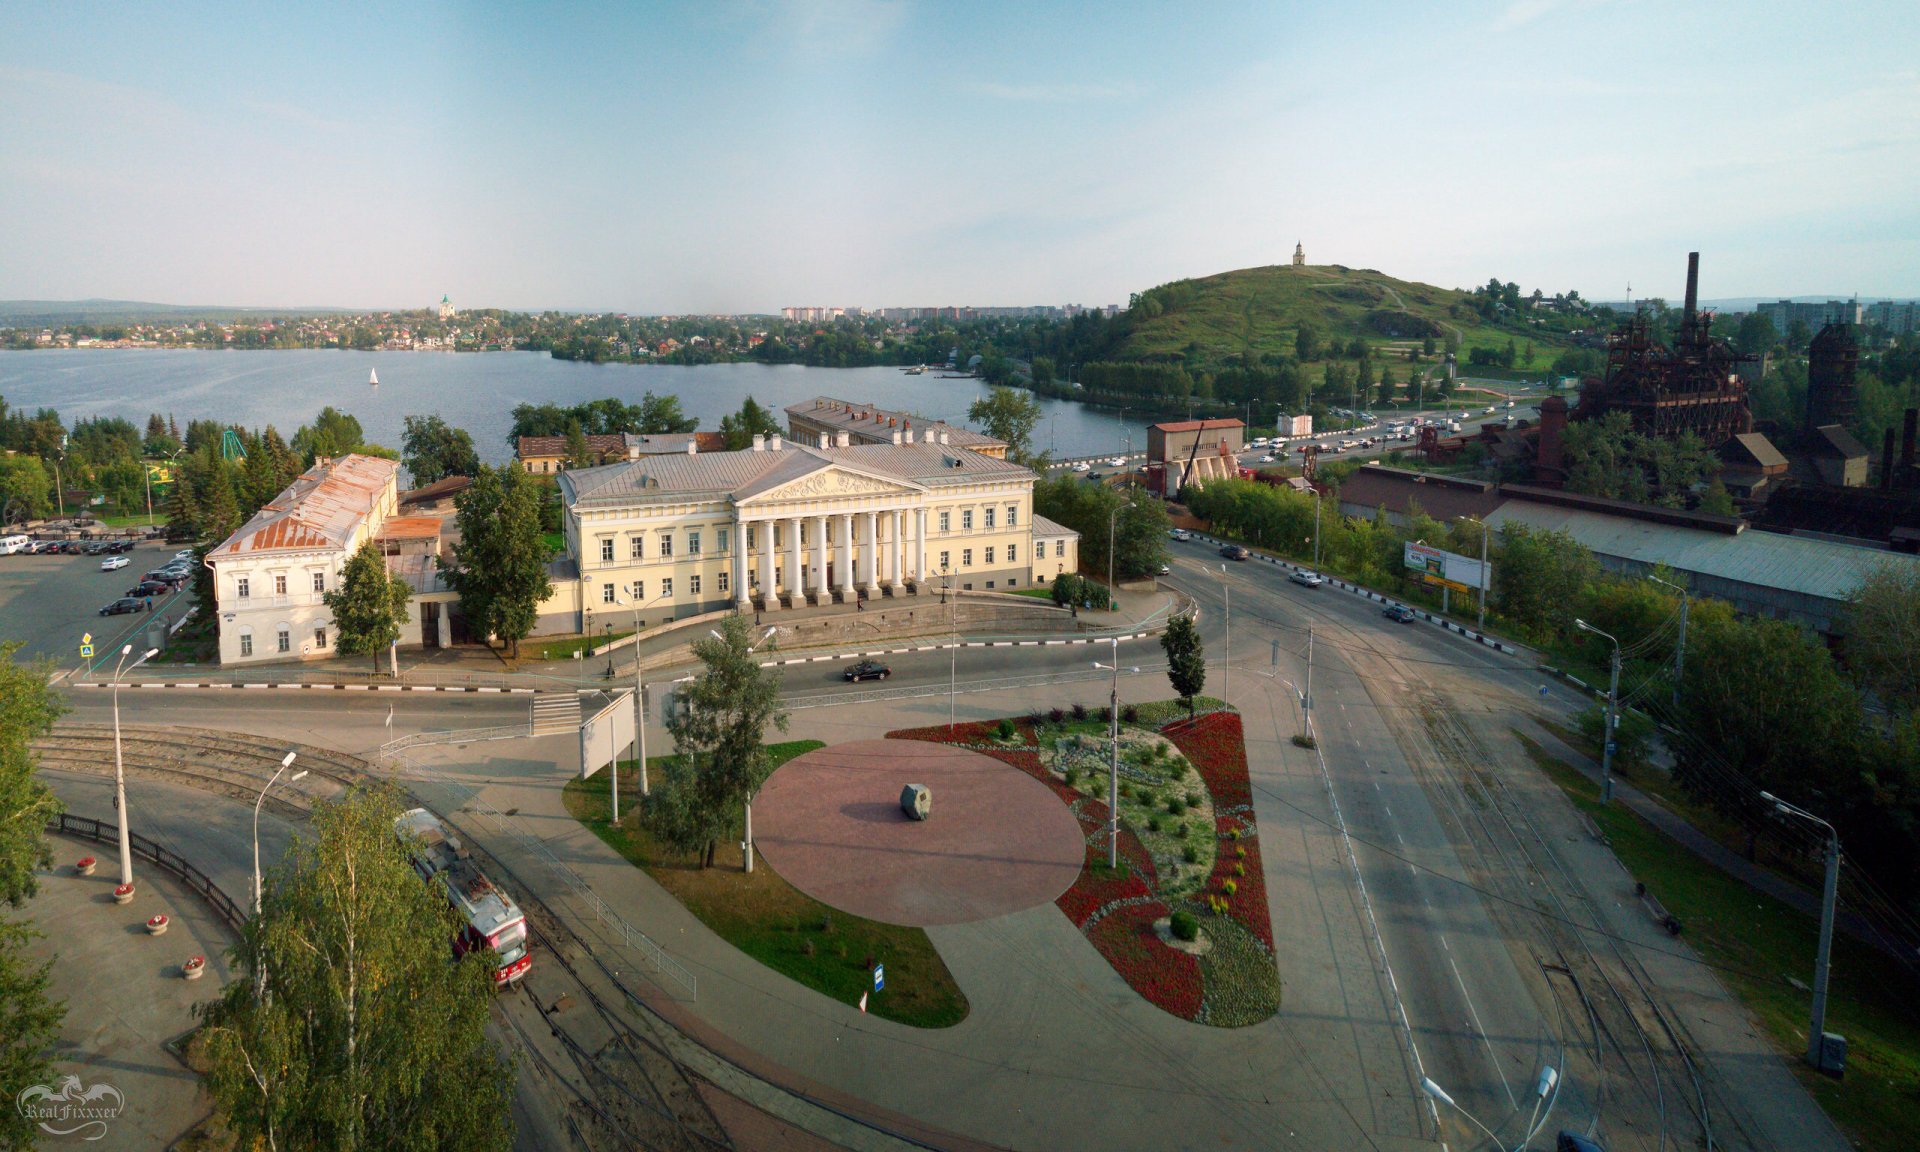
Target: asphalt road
x,y
48,602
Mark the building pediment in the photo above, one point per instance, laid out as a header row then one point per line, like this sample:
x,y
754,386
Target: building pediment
x,y
828,482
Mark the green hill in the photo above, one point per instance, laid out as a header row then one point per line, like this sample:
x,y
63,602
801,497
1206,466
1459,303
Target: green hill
x,y
1254,312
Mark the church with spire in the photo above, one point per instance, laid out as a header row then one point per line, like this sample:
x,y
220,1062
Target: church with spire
x,y
1299,255
447,310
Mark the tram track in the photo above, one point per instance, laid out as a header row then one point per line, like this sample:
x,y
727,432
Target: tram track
x,y
625,1089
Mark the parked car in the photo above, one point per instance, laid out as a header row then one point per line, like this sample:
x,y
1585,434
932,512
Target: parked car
x,y
1398,613
120,547
1166,570
1306,579
1267,459
114,563
868,670
1083,466
123,606
1118,462
1234,552
185,555
95,547
161,576
150,588
1180,534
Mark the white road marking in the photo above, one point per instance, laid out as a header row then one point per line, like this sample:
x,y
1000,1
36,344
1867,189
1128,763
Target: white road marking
x,y
1474,1012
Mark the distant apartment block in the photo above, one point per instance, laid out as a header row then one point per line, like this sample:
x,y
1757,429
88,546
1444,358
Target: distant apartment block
x,y
1898,317
1784,313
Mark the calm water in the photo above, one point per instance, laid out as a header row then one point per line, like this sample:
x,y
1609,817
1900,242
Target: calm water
x,y
475,391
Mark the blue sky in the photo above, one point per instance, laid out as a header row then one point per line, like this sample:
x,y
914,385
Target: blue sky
x,y
740,156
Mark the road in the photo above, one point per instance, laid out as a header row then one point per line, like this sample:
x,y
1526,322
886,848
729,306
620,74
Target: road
x,y
1407,870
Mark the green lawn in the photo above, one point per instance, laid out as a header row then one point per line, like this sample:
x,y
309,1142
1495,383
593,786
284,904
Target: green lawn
x,y
1037,593
1758,942
564,649
770,920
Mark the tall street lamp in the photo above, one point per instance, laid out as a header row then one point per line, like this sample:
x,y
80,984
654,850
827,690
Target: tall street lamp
x,y
1816,1031
1486,573
1613,703
1680,649
639,702
1226,660
1113,775
119,767
1543,1086
1113,528
285,762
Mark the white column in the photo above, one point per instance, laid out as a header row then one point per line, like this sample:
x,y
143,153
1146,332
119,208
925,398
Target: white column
x,y
794,556
768,592
740,563
846,556
873,554
820,560
899,550
920,545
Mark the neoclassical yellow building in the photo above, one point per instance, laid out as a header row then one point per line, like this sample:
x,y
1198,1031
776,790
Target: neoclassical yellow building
x,y
781,525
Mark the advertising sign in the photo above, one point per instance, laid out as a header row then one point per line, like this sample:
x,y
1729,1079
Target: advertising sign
x,y
607,732
1445,568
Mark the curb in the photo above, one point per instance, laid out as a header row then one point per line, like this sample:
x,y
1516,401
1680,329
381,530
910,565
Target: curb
x,y
1440,622
945,647
305,687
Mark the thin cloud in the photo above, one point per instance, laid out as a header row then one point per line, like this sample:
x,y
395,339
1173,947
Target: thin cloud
x,y
1048,93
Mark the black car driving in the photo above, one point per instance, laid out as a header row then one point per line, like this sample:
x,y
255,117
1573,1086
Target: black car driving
x,y
123,606
868,670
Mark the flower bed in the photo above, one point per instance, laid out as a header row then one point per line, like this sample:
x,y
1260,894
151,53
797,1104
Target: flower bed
x,y
1236,983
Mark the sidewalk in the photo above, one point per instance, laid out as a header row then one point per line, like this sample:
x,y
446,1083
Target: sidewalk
x,y
1055,1051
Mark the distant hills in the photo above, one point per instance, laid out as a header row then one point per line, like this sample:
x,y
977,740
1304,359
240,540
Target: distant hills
x,y
1259,310
51,313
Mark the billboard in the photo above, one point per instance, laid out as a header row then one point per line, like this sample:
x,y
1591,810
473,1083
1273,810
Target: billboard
x,y
1296,425
606,734
1444,568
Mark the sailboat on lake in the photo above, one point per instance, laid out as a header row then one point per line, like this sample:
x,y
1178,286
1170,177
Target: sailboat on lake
x,y
373,378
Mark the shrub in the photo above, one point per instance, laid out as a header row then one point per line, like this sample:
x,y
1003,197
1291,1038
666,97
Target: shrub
x,y
1190,854
1004,729
1239,869
806,948
1184,926
1229,887
1233,833
1303,741
1153,823
1106,715
1079,711
1176,806
1180,830
1148,799
1126,789
1193,799
1036,718
826,923
1130,714
1073,777
1056,715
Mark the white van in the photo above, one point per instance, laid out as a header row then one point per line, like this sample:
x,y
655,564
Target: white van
x,y
11,544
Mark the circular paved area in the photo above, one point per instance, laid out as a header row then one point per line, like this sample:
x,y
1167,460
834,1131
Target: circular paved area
x,y
998,840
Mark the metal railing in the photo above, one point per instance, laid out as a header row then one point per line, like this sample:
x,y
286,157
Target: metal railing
x,y
963,687
87,828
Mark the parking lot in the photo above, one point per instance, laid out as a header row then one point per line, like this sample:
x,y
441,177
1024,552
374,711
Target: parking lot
x,y
49,602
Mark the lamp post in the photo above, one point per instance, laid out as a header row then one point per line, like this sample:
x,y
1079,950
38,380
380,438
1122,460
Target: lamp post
x,y
1113,774
953,649
639,702
1226,655
1113,528
285,762
1316,529
119,767
1816,1030
1680,649
1613,702
1543,1085
1486,573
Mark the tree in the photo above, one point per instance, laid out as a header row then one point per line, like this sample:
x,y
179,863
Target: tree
x,y
1306,343
368,1037
719,739
28,708
752,420
579,454
1883,634
432,450
270,466
26,489
1009,415
500,562
29,1028
1186,660
1544,576
1385,391
369,606
1043,371
332,433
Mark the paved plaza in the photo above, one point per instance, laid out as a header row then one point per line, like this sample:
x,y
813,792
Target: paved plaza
x,y
998,841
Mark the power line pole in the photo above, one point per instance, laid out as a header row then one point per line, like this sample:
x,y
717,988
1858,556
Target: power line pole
x,y
1306,697
1485,577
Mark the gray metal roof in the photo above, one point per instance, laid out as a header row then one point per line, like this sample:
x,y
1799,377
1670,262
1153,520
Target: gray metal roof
x,y
868,420
1045,529
739,475
1817,568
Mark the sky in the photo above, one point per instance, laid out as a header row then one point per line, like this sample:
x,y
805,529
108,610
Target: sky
x,y
743,155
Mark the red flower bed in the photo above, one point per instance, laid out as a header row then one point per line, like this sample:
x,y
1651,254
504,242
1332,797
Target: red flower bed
x,y
1117,912
1168,978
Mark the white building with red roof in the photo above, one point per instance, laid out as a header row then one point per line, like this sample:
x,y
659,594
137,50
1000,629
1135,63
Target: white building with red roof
x,y
270,576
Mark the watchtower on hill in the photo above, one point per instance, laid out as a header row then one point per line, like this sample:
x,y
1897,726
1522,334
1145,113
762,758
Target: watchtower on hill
x,y
1299,255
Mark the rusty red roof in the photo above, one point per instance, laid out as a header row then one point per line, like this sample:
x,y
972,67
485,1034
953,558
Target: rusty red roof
x,y
321,509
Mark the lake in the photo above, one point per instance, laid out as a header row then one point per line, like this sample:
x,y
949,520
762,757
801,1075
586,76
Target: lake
x,y
478,391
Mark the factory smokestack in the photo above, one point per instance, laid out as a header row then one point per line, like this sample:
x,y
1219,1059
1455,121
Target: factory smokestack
x,y
1693,285
1886,463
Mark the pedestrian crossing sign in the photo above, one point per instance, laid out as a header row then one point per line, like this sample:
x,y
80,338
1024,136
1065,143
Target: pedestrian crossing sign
x,y
86,651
